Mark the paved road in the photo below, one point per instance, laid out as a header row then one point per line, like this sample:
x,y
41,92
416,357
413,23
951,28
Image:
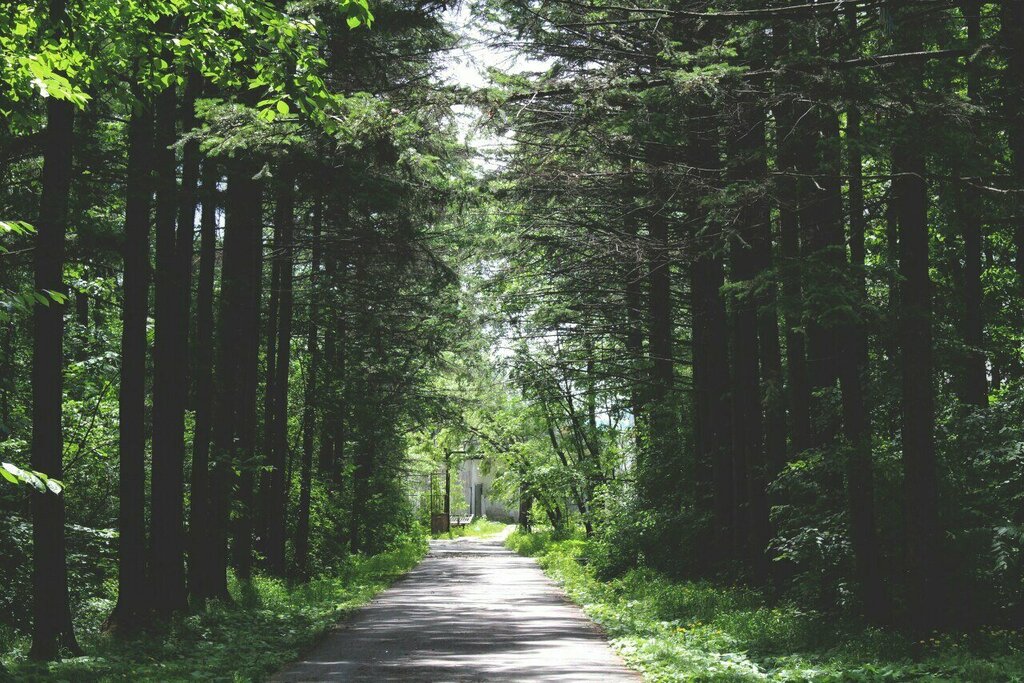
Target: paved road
x,y
471,611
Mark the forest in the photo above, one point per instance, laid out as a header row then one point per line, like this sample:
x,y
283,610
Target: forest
x,y
724,295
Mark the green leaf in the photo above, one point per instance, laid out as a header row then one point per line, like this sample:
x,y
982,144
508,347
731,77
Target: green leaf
x,y
56,296
7,475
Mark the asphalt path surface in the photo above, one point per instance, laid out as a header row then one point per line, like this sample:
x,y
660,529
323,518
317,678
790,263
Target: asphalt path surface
x,y
471,611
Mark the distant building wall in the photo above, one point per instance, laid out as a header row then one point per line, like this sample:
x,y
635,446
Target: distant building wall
x,y
476,488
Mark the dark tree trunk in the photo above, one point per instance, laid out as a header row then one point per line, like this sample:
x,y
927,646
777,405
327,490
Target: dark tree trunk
x,y
634,337
969,212
198,572
326,452
853,374
7,380
248,383
709,338
82,321
326,455
810,146
787,193
167,538
132,598
772,384
51,625
284,250
241,233
338,426
824,234
525,505
82,308
860,480
264,506
750,469
309,410
1012,15
926,590
660,405
188,200
362,419
341,422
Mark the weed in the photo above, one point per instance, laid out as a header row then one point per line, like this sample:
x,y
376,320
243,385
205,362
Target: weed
x,y
700,631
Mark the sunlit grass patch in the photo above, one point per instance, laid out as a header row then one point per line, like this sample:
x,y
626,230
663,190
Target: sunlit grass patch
x,y
481,526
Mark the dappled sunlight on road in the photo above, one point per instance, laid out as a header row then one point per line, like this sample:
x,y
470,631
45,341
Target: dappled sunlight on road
x,y
472,611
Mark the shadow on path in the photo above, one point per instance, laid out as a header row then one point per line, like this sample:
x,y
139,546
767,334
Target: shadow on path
x,y
471,611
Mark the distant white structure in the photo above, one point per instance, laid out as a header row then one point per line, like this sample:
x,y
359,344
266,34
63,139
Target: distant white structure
x,y
476,491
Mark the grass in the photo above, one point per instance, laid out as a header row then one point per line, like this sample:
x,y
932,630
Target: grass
x,y
698,631
481,526
269,625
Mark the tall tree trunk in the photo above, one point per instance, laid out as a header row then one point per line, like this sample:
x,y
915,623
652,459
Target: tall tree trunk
x,y
634,337
860,480
167,538
188,200
926,590
1012,37
132,596
787,143
7,380
341,420
969,212
277,503
51,625
82,321
326,455
265,507
362,464
853,374
241,231
772,383
248,383
829,237
309,411
525,505
709,339
203,372
747,166
821,227
661,409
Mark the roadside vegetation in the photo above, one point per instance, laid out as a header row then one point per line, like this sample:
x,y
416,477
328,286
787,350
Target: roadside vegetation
x,y
701,631
268,624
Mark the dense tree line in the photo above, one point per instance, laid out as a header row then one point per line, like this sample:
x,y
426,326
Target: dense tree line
x,y
762,278
739,299
229,263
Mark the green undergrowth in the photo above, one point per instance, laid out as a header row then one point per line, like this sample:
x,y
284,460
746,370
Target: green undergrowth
x,y
269,624
481,526
698,631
